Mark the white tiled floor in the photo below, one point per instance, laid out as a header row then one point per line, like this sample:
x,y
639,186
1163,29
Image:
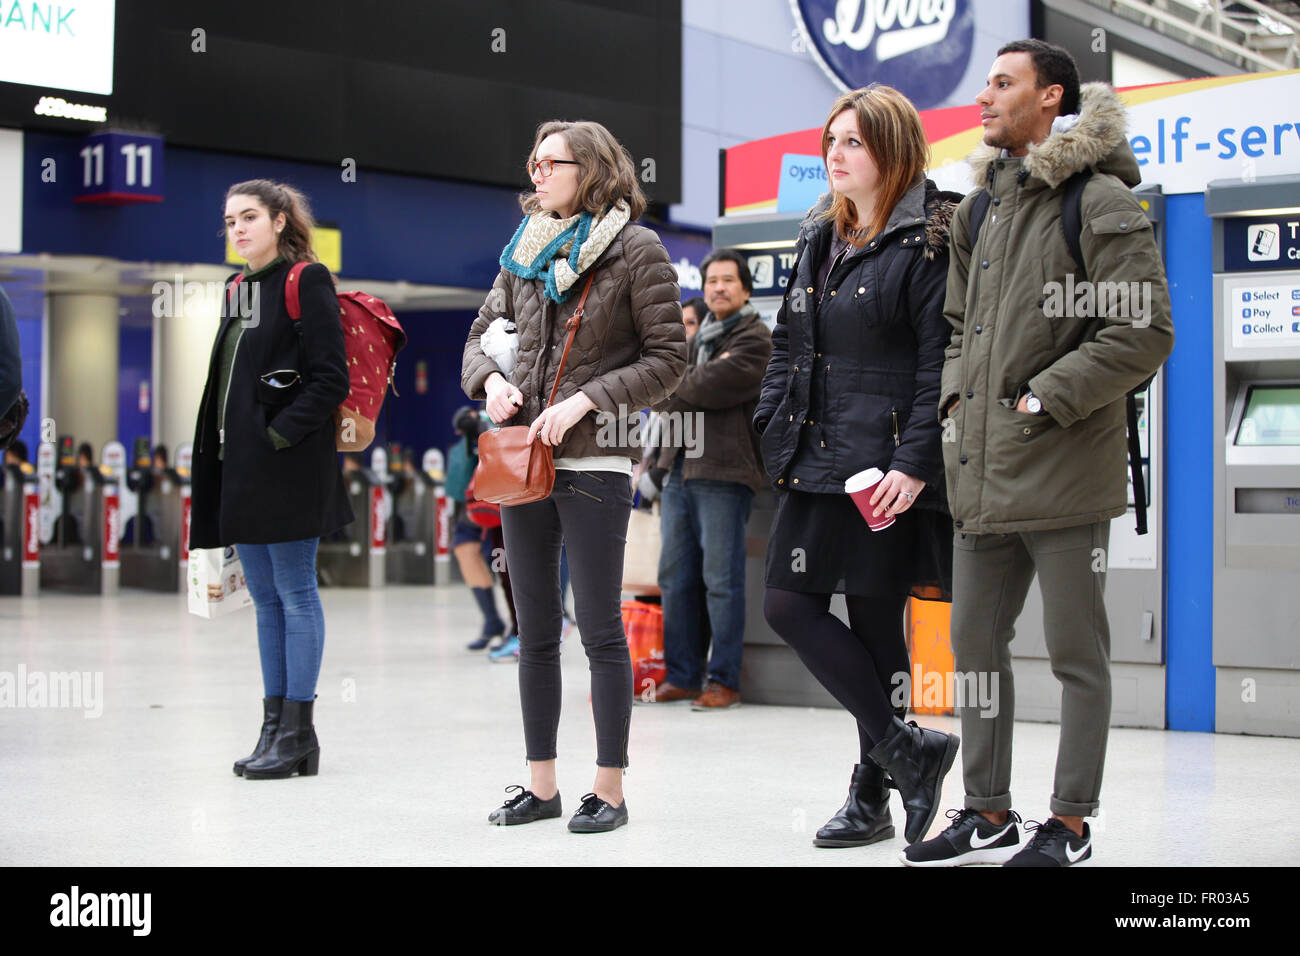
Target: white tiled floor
x,y
419,737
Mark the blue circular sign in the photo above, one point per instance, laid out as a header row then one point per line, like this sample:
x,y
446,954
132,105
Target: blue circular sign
x,y
920,47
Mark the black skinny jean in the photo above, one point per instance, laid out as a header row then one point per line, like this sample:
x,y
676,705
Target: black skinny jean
x,y
588,512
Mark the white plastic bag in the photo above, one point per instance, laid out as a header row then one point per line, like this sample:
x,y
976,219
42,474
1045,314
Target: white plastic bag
x,y
216,582
500,343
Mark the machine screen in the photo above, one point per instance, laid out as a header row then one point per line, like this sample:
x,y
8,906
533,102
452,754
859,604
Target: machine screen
x,y
1272,416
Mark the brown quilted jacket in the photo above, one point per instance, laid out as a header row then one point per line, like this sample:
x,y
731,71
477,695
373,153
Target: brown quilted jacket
x,y
629,353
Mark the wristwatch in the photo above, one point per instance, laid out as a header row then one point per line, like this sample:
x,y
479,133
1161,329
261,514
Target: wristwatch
x,y
1033,403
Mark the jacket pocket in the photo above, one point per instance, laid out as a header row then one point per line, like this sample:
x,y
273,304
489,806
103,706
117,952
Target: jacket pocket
x,y
279,387
1029,471
862,433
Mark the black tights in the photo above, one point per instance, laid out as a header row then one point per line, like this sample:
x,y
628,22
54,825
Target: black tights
x,y
858,664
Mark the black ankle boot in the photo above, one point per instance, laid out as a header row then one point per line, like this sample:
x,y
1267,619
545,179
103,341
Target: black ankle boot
x,y
271,707
917,759
294,749
864,818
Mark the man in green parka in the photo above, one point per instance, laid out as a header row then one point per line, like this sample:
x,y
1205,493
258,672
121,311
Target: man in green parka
x,y
1043,351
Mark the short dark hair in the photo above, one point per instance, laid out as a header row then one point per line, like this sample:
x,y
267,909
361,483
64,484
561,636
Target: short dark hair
x,y
697,303
19,447
728,255
1053,65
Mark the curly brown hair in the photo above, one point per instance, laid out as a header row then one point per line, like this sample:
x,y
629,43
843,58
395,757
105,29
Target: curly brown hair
x,y
295,238
606,172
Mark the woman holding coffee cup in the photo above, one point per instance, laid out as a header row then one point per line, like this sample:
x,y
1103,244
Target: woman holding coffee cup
x,y
853,385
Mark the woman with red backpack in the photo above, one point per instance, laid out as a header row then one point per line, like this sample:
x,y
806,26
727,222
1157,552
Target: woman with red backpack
x,y
265,470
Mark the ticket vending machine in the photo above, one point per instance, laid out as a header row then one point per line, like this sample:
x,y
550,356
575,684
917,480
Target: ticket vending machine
x,y
1256,454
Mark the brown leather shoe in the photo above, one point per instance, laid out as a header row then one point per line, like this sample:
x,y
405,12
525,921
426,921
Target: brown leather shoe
x,y
666,693
716,697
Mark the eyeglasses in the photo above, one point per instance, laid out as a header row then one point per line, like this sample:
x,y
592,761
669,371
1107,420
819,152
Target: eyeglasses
x,y
547,166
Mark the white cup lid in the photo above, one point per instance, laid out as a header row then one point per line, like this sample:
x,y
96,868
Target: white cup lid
x,y
863,479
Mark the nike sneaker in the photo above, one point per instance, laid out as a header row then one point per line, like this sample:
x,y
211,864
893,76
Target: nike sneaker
x,y
970,838
1054,844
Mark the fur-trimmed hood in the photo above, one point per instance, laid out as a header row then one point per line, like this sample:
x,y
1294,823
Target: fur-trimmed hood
x,y
1097,140
924,199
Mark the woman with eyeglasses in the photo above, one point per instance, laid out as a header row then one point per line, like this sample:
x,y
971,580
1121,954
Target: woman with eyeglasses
x,y
579,236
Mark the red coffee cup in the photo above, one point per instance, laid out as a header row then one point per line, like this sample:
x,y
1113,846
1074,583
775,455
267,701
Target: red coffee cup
x,y
860,487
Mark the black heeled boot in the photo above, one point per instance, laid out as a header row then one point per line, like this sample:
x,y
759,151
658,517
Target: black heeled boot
x,y
917,759
294,749
864,818
271,707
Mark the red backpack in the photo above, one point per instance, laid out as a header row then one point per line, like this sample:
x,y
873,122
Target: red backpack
x,y
373,337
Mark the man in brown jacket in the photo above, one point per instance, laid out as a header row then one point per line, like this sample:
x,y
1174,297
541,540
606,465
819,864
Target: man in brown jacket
x,y
709,469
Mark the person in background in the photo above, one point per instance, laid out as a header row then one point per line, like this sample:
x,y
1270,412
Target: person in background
x,y
16,453
628,352
708,490
693,312
265,474
160,458
470,542
853,385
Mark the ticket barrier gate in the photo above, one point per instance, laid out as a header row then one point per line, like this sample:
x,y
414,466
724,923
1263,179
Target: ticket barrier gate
x,y
84,553
152,550
355,556
20,571
419,533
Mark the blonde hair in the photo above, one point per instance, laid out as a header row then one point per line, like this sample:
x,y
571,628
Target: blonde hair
x,y
605,172
892,132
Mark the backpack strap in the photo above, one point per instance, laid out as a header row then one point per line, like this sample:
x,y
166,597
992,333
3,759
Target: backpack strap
x,y
978,210
234,286
1135,462
1072,217
291,284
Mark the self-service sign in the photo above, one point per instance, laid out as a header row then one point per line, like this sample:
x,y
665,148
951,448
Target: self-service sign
x,y
1263,315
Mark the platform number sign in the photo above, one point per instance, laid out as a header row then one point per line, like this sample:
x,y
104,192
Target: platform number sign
x,y
120,168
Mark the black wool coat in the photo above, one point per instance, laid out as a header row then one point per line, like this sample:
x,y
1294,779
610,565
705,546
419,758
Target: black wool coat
x,y
257,494
854,381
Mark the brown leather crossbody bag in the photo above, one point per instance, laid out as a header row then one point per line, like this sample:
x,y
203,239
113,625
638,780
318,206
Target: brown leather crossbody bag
x,y
511,469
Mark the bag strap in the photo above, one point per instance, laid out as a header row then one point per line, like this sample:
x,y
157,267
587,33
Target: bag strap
x,y
291,284
978,209
572,325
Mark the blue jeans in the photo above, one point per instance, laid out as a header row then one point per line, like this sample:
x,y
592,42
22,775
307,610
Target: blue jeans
x,y
702,562
281,579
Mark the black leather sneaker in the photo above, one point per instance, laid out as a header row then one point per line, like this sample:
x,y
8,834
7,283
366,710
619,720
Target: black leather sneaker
x,y
524,807
597,816
970,838
1054,844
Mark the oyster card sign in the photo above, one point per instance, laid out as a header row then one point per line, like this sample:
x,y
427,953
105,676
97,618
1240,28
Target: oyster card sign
x,y
920,47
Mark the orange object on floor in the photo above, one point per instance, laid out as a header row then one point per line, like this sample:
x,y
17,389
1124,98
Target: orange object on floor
x,y
644,625
930,646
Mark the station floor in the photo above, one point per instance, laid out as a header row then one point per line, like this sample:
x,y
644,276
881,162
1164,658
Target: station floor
x,y
419,737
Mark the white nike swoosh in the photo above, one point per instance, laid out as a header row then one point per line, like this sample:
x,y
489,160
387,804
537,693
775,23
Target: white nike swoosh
x,y
1072,856
977,844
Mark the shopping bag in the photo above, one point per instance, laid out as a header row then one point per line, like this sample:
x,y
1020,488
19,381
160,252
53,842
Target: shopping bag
x,y
641,557
216,582
644,625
